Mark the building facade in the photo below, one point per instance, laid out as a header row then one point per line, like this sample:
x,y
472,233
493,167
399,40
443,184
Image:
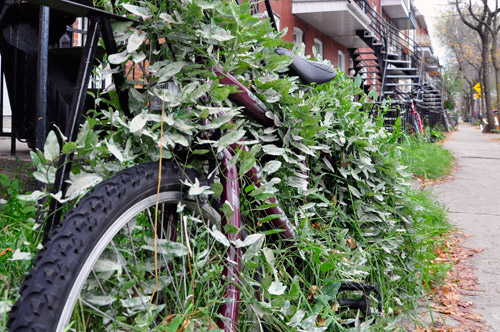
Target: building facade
x,y
384,41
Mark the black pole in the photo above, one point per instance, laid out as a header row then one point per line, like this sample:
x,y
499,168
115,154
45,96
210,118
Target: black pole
x,y
42,78
118,78
75,113
270,13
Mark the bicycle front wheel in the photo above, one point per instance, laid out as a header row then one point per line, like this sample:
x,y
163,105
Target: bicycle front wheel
x,y
97,272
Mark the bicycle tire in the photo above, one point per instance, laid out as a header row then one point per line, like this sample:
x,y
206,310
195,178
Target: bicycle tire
x,y
98,221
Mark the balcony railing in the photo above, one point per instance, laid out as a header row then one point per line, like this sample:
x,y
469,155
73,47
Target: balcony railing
x,y
394,39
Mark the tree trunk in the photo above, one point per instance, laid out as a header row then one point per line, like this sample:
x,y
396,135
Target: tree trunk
x,y
494,60
486,84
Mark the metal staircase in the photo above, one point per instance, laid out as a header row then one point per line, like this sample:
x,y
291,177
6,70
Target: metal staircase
x,y
391,63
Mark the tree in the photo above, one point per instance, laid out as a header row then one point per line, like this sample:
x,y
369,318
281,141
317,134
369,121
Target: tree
x,y
463,51
480,18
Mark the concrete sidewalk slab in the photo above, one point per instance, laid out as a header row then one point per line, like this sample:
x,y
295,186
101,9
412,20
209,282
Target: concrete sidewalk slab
x,y
473,198
22,150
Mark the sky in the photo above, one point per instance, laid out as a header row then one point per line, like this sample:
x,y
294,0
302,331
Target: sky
x,y
431,10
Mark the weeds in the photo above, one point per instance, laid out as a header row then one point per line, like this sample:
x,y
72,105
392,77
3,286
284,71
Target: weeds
x,y
19,240
428,160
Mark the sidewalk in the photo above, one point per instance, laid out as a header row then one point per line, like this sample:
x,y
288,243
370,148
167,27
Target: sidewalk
x,y
22,150
473,200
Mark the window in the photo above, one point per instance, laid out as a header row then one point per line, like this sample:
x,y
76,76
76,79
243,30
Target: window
x,y
298,37
318,48
341,61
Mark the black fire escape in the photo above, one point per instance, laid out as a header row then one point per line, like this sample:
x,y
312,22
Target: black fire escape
x,y
392,64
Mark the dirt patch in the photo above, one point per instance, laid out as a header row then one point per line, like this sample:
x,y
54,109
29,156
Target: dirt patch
x,y
21,170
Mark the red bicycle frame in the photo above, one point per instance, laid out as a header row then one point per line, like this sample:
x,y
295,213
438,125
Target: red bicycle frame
x,y
255,108
419,119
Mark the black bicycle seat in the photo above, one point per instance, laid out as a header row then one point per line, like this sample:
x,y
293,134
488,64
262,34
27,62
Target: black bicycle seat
x,y
309,71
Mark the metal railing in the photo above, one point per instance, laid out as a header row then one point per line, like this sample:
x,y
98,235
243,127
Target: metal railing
x,y
390,36
4,133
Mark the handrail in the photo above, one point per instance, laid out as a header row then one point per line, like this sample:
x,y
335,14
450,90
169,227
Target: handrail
x,y
392,36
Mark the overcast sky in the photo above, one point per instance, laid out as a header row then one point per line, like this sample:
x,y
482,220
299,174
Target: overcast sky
x,y
431,10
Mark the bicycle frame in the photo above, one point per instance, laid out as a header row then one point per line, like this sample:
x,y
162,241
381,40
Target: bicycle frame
x,y
255,108
419,119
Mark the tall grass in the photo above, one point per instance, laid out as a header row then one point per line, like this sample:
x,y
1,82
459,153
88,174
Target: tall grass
x,y
427,160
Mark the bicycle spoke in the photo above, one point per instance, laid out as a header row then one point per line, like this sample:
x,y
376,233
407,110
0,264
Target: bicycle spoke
x,y
103,291
122,262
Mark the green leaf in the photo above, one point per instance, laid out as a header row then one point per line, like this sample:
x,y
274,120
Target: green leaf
x,y
246,164
170,70
118,58
138,122
174,325
115,151
373,94
325,267
69,147
218,236
4,180
272,166
81,183
217,189
51,148
331,289
354,191
228,139
143,12
231,229
357,81
277,288
135,41
227,210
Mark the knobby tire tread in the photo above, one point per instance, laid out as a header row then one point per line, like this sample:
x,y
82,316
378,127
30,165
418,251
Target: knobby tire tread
x,y
60,260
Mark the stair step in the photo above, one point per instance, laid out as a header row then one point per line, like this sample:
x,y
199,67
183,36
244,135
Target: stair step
x,y
400,84
399,76
361,53
402,69
397,61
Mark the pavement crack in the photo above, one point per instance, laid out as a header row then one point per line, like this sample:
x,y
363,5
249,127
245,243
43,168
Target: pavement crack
x,y
477,213
479,157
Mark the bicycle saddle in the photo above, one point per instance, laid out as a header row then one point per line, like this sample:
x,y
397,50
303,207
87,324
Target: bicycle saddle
x,y
309,71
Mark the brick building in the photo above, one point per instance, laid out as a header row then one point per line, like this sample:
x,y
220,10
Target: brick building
x,y
332,26
376,39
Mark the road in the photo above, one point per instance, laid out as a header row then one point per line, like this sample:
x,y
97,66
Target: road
x,y
473,200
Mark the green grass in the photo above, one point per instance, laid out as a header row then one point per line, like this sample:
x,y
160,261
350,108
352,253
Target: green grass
x,y
427,160
17,232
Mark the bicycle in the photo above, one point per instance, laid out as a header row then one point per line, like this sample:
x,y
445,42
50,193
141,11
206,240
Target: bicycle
x,y
148,209
412,121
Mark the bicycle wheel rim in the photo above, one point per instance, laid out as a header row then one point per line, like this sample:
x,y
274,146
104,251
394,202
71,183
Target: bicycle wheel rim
x,y
170,198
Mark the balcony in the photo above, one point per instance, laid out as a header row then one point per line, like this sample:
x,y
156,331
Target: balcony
x,y
338,19
401,13
396,8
